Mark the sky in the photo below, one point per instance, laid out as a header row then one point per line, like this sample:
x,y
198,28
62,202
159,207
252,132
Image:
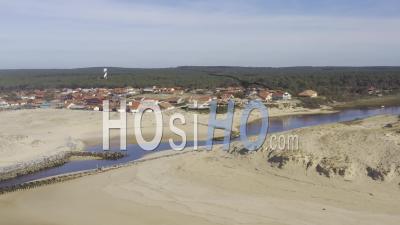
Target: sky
x,y
155,33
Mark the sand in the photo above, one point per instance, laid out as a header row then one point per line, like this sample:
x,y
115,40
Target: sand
x,y
347,149
216,187
29,137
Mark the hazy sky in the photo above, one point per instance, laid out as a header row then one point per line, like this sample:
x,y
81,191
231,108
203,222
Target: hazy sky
x,y
146,33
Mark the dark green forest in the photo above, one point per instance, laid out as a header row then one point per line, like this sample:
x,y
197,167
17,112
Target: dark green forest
x,y
334,82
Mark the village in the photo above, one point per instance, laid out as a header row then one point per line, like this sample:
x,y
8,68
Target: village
x,y
165,98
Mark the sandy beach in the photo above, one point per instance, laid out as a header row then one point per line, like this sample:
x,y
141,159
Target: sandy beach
x,y
325,181
263,112
30,137
203,188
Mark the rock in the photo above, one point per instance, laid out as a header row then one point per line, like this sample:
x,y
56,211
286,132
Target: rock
x,y
323,170
238,149
278,160
389,125
332,166
281,158
375,174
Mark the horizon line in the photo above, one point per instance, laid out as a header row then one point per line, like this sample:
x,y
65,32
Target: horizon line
x,y
220,66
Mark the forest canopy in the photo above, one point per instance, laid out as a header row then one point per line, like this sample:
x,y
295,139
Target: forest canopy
x,y
328,81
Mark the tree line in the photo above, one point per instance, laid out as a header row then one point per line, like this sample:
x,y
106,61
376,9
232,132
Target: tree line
x,y
333,82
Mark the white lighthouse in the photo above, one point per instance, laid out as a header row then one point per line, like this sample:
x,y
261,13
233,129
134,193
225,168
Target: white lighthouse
x,y
105,73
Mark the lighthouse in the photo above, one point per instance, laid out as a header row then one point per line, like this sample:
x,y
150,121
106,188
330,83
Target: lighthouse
x,y
105,73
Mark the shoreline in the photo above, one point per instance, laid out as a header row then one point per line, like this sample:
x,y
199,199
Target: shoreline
x,y
56,160
74,175
305,111
218,187
369,102
61,159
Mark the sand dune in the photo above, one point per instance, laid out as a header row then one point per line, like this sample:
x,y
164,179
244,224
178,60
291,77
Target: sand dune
x,y
217,187
29,138
349,150
203,188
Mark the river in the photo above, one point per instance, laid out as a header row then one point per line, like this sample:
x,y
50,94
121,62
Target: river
x,y
276,124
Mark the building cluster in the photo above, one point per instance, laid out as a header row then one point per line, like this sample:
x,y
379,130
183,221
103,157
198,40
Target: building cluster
x,y
165,98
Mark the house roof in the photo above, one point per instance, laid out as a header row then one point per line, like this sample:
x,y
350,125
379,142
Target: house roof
x,y
172,99
278,94
264,94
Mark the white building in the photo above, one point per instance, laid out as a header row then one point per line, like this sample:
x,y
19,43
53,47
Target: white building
x,y
3,104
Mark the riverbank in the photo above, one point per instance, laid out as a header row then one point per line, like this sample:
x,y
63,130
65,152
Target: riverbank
x,y
216,187
55,160
369,102
274,112
36,139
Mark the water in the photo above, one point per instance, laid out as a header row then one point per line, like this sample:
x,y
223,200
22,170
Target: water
x,y
277,124
134,152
